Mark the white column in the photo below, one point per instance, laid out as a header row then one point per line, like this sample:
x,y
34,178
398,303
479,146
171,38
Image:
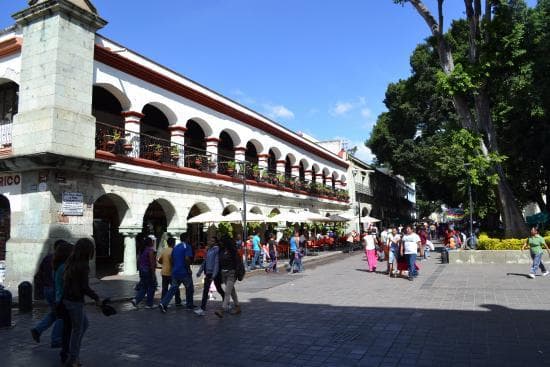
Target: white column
x,y
308,175
177,140
240,156
262,161
281,167
295,172
130,258
212,153
132,128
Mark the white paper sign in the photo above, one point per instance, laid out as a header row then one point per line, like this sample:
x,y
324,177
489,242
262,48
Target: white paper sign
x,y
73,203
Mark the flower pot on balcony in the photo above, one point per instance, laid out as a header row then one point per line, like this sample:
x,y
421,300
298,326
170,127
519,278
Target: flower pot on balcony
x,y
198,163
230,171
128,147
110,144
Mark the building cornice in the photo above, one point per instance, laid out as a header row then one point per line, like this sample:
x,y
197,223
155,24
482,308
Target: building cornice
x,y
10,46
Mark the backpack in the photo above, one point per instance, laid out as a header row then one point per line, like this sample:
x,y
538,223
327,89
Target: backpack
x,y
240,271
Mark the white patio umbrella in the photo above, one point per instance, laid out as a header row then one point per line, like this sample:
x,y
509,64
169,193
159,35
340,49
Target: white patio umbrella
x,y
369,219
237,217
208,217
338,218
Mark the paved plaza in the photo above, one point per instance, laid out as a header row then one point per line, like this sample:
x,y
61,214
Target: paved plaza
x,y
335,314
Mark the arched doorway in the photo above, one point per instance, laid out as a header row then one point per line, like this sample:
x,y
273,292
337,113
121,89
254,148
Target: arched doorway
x,y
272,162
109,242
155,222
8,108
5,222
302,172
196,231
288,168
155,136
226,152
195,144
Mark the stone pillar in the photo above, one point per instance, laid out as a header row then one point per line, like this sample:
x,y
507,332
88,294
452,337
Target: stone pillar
x,y
308,175
329,182
177,139
281,167
295,172
55,88
240,156
132,128
130,251
212,153
338,184
262,161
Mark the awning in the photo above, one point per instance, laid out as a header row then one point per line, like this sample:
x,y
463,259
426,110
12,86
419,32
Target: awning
x,y
208,217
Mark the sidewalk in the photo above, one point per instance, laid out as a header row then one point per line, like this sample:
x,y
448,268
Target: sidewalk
x,y
120,288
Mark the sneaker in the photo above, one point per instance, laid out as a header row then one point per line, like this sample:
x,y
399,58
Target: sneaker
x,y
162,308
35,335
149,307
410,279
545,274
191,308
532,276
133,302
179,304
219,313
199,312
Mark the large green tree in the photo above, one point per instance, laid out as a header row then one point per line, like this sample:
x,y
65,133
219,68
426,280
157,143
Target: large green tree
x,y
468,82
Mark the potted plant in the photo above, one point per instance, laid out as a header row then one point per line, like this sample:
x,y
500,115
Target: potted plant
x,y
255,171
174,153
157,151
231,167
198,162
127,146
280,179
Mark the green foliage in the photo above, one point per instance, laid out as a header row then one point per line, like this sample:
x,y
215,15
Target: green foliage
x,y
225,229
487,243
458,81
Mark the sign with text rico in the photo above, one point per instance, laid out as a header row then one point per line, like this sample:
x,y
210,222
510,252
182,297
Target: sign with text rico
x,y
73,203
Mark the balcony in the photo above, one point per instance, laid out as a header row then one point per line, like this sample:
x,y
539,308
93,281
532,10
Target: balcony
x,y
114,143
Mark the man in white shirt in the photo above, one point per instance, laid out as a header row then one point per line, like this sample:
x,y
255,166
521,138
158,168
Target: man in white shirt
x,y
411,241
393,243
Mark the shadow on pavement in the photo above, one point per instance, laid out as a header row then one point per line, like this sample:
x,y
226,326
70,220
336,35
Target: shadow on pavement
x,y
290,333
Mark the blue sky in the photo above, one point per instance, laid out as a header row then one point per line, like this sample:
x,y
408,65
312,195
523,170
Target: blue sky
x,y
316,66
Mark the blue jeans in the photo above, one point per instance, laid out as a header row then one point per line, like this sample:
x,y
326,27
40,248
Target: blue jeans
x,y
79,324
537,263
426,251
187,282
51,319
256,260
411,261
146,287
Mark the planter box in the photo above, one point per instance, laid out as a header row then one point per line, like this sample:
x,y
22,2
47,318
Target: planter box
x,y
492,257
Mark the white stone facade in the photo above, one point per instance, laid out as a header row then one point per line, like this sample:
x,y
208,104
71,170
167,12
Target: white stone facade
x,y
55,143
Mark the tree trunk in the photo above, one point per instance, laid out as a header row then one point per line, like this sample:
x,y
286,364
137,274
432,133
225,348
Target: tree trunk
x,y
511,215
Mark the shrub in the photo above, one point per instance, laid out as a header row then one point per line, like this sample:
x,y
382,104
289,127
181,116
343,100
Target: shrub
x,y
486,243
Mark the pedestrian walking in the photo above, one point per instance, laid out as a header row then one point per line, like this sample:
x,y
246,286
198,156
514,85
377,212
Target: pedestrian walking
x,y
411,241
294,242
369,241
229,262
165,260
182,256
211,267
256,247
45,279
272,250
394,240
146,268
535,243
75,287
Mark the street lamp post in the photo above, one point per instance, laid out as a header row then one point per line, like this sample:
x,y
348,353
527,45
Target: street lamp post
x,y
471,205
245,230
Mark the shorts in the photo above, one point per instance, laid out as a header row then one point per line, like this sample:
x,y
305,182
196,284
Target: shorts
x,y
392,256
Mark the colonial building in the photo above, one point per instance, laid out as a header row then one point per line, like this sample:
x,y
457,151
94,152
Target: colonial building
x,y
97,140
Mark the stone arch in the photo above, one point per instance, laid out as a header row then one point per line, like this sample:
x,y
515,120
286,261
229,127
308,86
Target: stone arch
x,y
314,172
292,158
169,210
229,209
343,178
167,111
235,138
195,136
196,232
251,153
196,209
9,98
364,211
272,160
109,211
259,146
122,98
205,126
155,123
256,210
107,107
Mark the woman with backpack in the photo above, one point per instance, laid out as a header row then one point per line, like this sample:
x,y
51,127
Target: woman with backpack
x,y
75,287
229,263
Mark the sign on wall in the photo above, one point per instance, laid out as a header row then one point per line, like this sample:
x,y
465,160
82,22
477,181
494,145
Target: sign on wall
x,y
72,203
10,183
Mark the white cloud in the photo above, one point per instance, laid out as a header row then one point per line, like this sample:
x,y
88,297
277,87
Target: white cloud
x,y
366,113
341,108
278,111
363,152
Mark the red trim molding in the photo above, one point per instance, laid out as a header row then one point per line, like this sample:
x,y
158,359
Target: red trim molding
x,y
212,140
10,46
100,154
174,128
139,115
239,149
263,156
123,64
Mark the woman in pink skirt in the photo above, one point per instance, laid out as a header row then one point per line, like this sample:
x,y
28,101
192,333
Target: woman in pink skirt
x,y
370,248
